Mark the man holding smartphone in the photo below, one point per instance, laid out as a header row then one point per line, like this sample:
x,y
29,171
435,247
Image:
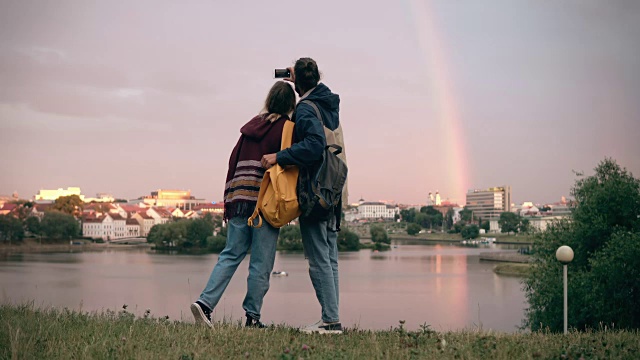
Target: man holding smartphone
x,y
319,236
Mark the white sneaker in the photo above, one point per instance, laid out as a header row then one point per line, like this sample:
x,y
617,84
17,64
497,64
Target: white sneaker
x,y
323,328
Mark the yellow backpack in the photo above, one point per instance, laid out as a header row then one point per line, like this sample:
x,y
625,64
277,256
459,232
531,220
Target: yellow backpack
x,y
277,199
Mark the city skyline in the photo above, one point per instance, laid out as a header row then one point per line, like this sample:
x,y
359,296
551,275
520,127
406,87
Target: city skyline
x,y
434,94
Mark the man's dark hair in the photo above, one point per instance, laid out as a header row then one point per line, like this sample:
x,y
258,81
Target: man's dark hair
x,y
281,99
307,74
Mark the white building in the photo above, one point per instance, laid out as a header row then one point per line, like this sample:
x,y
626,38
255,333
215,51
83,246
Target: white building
x,y
52,195
119,226
376,210
159,215
132,228
98,227
145,221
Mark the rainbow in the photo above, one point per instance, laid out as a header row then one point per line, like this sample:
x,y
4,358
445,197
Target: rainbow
x,y
443,98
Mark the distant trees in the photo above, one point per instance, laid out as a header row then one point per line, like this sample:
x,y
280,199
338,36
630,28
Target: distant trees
x,y
32,224
604,277
486,225
379,237
10,229
290,238
58,226
510,222
470,231
413,229
71,205
348,240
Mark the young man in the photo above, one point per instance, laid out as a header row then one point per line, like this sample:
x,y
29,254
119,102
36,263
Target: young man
x,y
319,236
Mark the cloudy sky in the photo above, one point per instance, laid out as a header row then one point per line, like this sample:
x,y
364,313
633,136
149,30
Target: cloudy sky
x,y
127,97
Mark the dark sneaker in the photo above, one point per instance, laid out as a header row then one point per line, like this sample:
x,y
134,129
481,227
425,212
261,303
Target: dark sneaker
x,y
201,313
254,323
323,328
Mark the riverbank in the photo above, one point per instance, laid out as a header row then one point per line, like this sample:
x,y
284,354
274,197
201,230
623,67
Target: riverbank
x,y
26,332
33,246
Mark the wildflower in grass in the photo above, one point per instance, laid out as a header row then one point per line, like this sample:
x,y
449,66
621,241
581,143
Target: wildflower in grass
x,y
287,350
305,347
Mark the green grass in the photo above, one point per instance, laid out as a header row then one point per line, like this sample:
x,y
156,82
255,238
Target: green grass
x,y
28,333
512,269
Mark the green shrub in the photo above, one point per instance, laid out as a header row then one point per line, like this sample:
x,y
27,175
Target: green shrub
x,y
290,238
470,231
348,241
604,233
216,243
379,234
413,229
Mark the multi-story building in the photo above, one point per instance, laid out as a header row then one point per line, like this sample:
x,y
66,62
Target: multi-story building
x,y
377,210
146,223
172,198
132,228
51,195
489,203
98,227
160,215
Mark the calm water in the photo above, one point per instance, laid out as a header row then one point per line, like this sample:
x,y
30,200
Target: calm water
x,y
443,285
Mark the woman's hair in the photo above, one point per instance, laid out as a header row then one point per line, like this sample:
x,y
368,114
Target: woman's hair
x,y
281,100
307,74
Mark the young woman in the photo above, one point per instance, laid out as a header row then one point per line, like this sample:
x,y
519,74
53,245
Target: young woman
x,y
261,135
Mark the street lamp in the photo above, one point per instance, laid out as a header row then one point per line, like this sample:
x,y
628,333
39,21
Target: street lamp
x,y
564,254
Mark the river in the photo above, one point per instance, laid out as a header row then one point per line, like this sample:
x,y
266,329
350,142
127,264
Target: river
x,y
443,285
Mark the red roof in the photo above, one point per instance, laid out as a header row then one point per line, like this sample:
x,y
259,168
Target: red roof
x,y
209,206
9,207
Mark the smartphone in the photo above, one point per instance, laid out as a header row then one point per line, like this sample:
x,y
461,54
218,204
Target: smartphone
x,y
282,73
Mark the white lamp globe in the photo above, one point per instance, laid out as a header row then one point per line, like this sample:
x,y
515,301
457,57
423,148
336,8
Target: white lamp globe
x,y
564,254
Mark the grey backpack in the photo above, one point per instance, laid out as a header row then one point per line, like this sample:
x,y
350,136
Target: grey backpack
x,y
320,189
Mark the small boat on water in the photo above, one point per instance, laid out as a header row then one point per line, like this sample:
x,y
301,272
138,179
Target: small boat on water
x,y
279,273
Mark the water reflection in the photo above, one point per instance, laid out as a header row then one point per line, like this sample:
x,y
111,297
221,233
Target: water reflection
x,y
441,284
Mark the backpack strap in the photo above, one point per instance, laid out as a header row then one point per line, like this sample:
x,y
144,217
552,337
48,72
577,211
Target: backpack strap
x,y
287,138
315,107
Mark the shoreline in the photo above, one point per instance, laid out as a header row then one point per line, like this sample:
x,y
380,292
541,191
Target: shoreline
x,y
29,247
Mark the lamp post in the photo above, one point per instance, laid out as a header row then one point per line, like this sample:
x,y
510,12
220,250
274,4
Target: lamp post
x,y
564,254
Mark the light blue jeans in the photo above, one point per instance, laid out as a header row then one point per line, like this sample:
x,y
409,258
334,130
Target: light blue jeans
x,y
240,238
320,241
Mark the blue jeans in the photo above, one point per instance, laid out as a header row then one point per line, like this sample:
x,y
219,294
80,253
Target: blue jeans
x,y
320,241
240,238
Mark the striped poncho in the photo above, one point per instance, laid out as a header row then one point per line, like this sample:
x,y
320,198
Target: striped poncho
x,y
260,136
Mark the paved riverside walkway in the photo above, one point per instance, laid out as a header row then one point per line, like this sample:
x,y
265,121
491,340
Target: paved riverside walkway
x,y
505,256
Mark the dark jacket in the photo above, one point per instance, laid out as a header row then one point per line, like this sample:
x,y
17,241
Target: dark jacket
x,y
309,138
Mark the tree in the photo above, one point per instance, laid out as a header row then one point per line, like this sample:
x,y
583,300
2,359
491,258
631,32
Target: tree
x,y
379,234
413,229
198,231
466,215
56,225
470,231
448,218
71,205
524,226
11,228
216,243
457,227
509,222
604,232
290,238
348,241
408,215
32,225
485,225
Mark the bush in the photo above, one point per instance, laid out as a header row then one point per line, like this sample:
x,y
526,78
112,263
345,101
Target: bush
x,y
413,229
216,243
56,225
290,238
11,228
348,241
470,231
604,233
379,234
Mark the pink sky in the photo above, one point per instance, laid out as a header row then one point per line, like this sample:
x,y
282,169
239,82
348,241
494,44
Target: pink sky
x,y
129,97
